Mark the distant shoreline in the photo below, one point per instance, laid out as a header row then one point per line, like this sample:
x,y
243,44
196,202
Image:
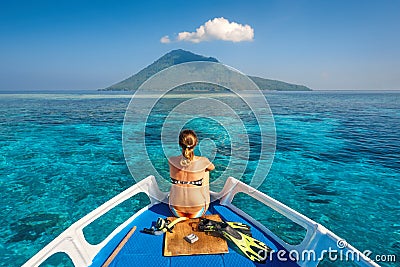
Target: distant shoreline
x,y
117,92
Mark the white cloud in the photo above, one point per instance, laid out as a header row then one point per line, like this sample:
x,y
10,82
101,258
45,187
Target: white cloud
x,y
165,39
216,29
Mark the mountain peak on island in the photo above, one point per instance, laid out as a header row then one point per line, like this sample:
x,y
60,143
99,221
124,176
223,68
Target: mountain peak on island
x,y
179,56
173,57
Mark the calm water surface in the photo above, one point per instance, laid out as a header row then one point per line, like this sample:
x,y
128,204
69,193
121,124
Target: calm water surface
x,y
337,161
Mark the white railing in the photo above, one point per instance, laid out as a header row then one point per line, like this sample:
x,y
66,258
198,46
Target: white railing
x,y
318,239
72,241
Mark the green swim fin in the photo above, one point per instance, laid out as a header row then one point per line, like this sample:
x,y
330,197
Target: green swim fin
x,y
241,227
252,248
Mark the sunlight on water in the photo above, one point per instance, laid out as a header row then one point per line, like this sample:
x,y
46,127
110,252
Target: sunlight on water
x,y
337,161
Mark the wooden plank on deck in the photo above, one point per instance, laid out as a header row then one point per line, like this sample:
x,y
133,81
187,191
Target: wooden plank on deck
x,y
176,245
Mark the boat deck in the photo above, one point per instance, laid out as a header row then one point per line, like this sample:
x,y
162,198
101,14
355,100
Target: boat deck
x,y
147,250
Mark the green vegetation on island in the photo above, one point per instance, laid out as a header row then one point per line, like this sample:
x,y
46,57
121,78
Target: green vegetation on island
x,y
266,84
181,56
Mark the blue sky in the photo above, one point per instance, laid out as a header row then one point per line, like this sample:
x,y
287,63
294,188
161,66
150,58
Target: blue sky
x,y
336,44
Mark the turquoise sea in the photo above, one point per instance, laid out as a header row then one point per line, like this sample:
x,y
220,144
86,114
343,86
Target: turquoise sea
x,y
337,161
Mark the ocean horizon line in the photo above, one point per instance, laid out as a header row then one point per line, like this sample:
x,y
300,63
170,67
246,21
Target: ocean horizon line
x,y
96,91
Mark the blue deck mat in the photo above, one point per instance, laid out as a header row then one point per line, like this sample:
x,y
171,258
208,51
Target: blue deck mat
x,y
146,250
